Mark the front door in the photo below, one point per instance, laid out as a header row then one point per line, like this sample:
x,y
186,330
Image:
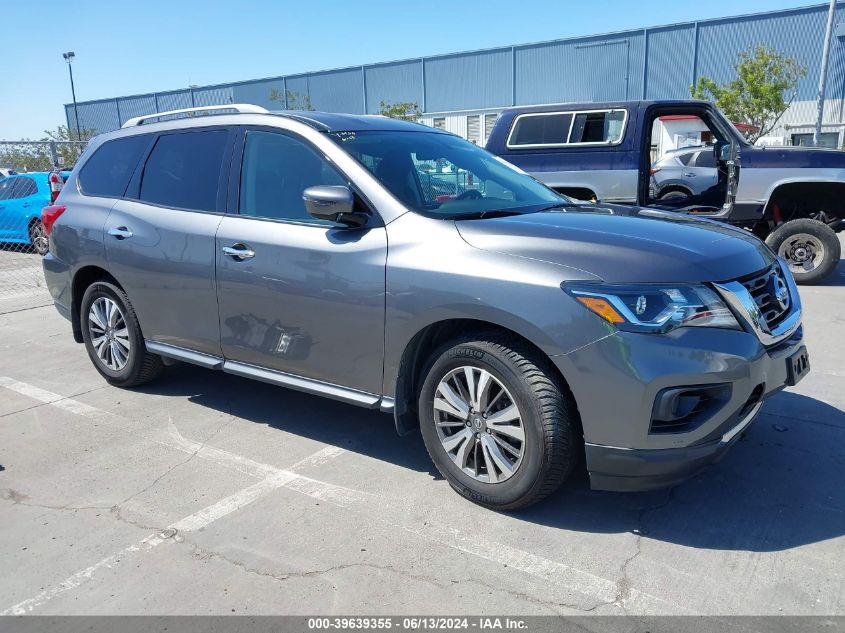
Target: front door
x,y
704,138
160,242
298,295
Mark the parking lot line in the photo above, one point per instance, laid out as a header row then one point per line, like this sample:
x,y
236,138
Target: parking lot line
x,y
378,509
195,521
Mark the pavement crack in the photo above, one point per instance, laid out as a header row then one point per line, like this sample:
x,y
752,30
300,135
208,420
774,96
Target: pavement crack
x,y
115,509
202,553
623,585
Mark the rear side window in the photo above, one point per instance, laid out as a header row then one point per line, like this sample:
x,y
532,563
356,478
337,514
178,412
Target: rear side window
x,y
541,129
25,187
598,127
686,158
706,158
108,171
183,170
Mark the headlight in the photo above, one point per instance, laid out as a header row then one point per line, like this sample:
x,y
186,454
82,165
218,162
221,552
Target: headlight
x,y
651,308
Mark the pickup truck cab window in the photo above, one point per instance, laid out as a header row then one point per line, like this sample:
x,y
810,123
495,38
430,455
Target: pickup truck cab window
x,y
561,129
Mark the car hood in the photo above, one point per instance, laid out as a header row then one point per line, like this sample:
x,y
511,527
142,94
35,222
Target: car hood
x,y
624,244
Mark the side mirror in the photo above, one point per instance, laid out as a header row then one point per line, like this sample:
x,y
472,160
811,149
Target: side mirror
x,y
724,154
334,204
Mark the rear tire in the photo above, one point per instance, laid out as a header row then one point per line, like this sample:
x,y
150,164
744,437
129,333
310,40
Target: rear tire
x,y
113,337
464,448
810,248
37,238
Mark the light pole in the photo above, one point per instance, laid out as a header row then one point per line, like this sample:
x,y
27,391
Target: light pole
x,y
69,58
817,133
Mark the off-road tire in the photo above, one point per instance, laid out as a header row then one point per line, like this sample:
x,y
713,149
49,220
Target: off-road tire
x,y
818,230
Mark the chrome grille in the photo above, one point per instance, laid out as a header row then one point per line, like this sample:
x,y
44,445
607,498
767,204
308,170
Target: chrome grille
x,y
771,294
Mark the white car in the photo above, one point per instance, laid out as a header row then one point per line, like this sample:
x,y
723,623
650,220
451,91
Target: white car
x,y
5,172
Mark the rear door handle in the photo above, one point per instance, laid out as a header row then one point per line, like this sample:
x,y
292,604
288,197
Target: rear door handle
x,y
120,232
238,252
689,175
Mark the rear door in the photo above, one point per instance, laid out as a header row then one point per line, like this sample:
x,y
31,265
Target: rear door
x,y
160,237
308,297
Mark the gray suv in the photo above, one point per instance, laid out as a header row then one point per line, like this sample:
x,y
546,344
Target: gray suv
x,y
520,331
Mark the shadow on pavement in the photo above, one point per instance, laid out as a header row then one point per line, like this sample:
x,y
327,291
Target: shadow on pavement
x,y
837,276
780,487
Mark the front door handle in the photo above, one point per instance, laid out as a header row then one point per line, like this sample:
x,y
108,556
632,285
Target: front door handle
x,y
120,232
238,252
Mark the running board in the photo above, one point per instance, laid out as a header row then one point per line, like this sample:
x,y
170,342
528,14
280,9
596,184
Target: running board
x,y
273,377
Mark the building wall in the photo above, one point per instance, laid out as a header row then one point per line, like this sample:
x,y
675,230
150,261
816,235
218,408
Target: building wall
x,y
650,63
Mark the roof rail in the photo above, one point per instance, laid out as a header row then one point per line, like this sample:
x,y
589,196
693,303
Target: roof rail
x,y
237,107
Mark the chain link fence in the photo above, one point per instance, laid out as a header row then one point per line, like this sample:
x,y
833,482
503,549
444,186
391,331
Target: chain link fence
x,y
26,168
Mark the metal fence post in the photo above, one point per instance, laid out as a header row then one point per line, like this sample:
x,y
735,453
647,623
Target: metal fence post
x,y
54,154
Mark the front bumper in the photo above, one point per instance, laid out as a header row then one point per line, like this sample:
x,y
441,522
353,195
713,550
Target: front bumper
x,y
616,381
635,470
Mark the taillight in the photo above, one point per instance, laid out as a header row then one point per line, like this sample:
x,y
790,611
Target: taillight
x,y
56,184
49,215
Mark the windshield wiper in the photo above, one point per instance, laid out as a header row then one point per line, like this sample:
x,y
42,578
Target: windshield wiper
x,y
490,213
561,205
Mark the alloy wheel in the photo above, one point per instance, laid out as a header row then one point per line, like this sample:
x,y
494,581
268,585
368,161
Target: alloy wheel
x,y
39,239
479,424
109,334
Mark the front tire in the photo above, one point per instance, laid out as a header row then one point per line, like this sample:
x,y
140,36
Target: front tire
x,y
498,422
810,248
113,337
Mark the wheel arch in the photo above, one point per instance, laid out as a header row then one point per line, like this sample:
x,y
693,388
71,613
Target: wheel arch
x,y
673,186
418,351
828,190
82,279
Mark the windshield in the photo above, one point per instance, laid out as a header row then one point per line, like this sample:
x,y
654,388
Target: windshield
x,y
444,176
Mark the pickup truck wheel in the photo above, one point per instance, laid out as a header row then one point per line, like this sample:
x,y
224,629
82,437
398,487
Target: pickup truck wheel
x,y
811,248
497,422
113,337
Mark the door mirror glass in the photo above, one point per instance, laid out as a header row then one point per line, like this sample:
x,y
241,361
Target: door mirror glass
x,y
333,204
725,152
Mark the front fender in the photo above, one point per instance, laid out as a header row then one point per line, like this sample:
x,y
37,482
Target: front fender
x,y
439,278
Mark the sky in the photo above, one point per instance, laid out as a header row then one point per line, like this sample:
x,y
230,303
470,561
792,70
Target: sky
x,y
151,45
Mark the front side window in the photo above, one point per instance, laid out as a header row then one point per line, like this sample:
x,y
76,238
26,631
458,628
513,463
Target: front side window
x,y
108,171
276,170
6,188
445,176
183,170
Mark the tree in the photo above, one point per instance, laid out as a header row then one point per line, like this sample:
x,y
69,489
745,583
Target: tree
x,y
30,155
295,101
762,90
404,110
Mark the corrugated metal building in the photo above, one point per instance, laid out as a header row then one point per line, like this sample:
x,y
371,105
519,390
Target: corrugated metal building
x,y
463,92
